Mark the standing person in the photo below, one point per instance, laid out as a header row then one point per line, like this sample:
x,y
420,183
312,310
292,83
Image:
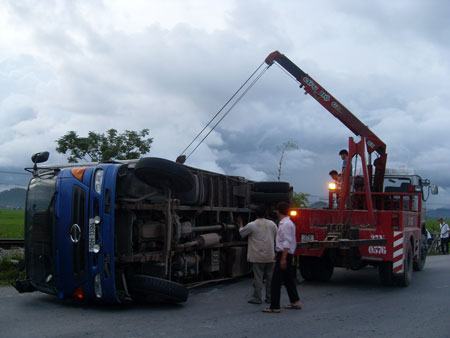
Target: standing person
x,y
444,236
261,240
348,188
429,238
344,157
284,271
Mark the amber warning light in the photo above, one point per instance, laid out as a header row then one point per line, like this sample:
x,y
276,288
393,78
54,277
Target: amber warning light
x,y
78,173
293,213
332,186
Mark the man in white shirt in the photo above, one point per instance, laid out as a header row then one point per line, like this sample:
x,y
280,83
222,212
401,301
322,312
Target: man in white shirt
x,y
284,271
444,236
260,252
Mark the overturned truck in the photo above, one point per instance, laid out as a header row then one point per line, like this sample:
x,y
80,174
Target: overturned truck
x,y
144,229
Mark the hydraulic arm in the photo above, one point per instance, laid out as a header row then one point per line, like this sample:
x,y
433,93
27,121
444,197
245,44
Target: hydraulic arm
x,y
374,144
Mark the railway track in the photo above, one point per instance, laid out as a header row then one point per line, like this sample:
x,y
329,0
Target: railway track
x,y
8,243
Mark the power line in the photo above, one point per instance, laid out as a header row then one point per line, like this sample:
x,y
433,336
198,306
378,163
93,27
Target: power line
x,y
222,108
229,109
14,172
12,184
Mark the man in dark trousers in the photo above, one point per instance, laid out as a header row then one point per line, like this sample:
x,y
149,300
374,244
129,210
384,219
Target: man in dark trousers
x,y
284,271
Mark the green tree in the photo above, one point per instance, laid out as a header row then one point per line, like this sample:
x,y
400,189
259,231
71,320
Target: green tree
x,y
300,200
97,147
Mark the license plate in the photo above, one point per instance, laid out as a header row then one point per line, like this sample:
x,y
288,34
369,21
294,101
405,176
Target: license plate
x,y
91,236
307,238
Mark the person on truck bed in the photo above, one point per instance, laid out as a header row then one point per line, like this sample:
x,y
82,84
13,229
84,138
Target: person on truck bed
x,y
444,235
343,153
336,178
284,271
261,240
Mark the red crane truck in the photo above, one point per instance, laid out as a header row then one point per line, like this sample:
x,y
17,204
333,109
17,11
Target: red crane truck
x,y
374,219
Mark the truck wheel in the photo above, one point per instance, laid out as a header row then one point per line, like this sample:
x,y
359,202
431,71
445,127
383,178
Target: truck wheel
x,y
405,278
162,172
323,270
419,264
153,289
306,268
193,196
271,187
385,273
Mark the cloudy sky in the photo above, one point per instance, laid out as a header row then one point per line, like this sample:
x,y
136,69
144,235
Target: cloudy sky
x,y
170,65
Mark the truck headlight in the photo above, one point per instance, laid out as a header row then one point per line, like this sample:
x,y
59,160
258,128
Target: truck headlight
x,y
98,286
98,181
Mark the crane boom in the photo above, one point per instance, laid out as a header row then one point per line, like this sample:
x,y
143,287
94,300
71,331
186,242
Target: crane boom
x,y
337,109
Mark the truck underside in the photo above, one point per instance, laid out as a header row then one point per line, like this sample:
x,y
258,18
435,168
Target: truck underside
x,y
183,234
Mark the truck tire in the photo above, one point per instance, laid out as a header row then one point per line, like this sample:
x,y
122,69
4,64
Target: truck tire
x,y
316,269
405,278
269,198
323,271
306,268
419,263
271,187
193,196
153,289
385,273
162,172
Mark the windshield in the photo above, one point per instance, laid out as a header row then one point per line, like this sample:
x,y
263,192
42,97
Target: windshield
x,y
39,224
397,184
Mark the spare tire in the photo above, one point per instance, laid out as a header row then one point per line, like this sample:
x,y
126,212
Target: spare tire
x,y
153,289
162,172
272,187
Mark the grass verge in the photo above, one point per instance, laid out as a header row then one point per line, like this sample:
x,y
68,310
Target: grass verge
x,y
11,267
11,223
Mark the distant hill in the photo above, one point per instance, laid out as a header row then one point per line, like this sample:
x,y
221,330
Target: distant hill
x,y
13,198
436,213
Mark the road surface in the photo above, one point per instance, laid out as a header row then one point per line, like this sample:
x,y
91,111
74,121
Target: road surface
x,y
353,304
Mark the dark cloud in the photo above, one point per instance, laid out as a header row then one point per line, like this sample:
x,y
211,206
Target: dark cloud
x,y
85,69
404,19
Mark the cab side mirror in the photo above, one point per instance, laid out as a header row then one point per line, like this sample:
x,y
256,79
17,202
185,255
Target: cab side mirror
x,y
434,189
40,157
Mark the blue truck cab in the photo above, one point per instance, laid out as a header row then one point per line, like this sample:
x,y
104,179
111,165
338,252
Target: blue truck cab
x,y
144,229
69,225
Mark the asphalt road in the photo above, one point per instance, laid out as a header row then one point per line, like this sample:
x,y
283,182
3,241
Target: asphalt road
x,y
353,304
